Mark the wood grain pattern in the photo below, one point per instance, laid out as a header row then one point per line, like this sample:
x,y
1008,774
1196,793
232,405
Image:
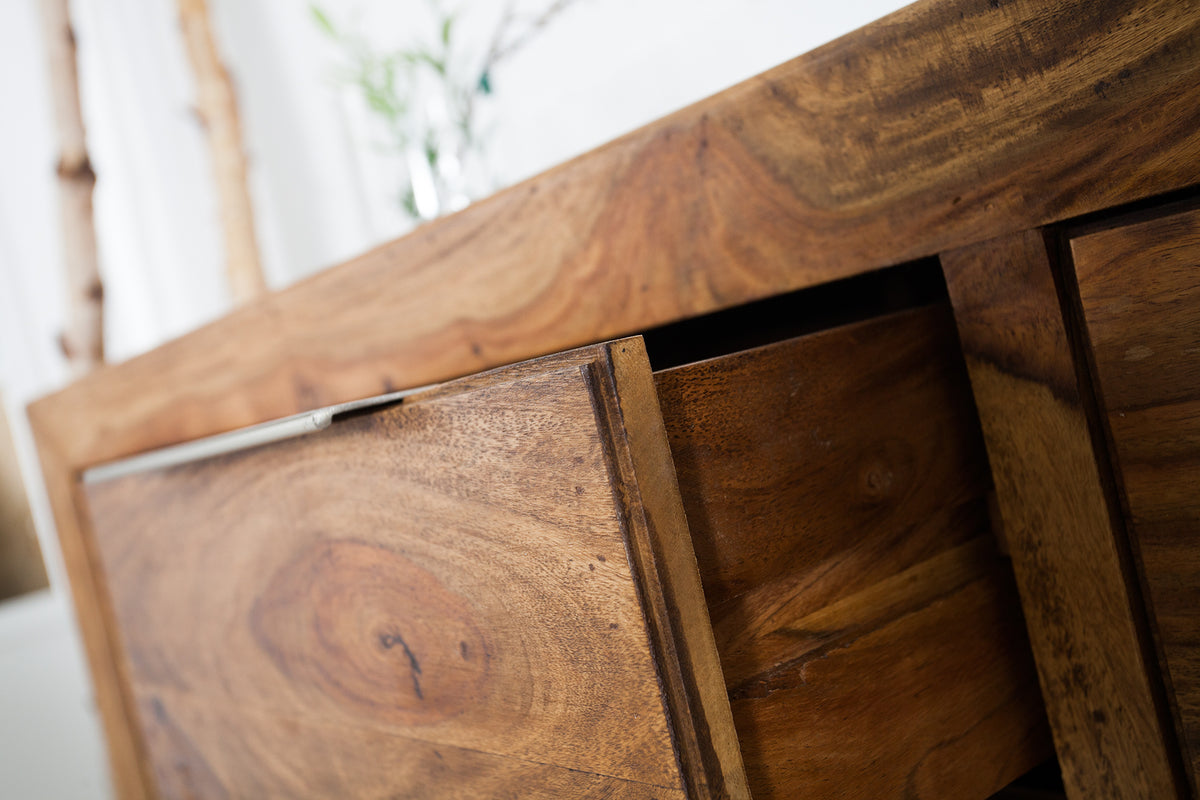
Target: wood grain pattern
x,y
130,770
661,547
946,123
1140,290
1141,301
1084,625
870,638
803,442
941,697
462,581
336,757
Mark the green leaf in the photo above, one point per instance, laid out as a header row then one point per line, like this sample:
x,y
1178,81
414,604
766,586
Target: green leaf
x,y
447,25
485,83
322,20
438,64
388,65
377,101
431,151
408,202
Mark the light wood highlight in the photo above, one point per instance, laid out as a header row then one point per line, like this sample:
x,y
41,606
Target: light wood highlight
x,y
1083,621
82,338
217,110
1140,290
489,582
871,639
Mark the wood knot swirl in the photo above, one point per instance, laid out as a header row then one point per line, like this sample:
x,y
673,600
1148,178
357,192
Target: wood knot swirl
x,y
375,632
887,473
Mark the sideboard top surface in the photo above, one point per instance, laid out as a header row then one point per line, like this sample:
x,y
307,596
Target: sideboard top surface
x,y
943,124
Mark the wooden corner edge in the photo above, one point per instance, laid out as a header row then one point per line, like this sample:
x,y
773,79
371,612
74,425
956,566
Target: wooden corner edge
x,y
670,578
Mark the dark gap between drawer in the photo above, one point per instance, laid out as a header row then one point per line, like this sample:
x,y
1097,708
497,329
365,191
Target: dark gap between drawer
x,y
804,311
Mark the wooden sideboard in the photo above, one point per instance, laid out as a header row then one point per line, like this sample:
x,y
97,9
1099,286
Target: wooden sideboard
x,y
791,490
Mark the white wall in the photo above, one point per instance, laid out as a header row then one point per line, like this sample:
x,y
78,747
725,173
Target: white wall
x,y
602,69
321,195
50,744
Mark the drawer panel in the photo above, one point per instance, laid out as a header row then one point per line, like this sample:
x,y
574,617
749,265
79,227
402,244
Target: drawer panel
x,y
483,591
1140,290
835,487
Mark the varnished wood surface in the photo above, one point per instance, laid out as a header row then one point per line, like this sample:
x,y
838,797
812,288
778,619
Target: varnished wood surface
x,y
936,701
130,769
1084,619
440,599
661,548
944,124
1140,290
335,757
947,123
818,444
870,637
1141,301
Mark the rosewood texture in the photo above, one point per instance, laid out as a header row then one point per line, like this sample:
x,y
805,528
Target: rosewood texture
x,y
871,639
947,123
1084,620
446,598
1140,290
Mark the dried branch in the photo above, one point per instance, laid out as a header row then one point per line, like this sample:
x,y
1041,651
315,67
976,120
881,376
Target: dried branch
x,y
216,106
502,48
498,52
82,338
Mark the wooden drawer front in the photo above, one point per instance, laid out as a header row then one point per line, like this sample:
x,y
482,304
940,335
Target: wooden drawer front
x,y
871,638
1140,289
473,594
491,589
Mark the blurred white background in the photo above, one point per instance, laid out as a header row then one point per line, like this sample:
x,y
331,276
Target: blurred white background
x,y
322,193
